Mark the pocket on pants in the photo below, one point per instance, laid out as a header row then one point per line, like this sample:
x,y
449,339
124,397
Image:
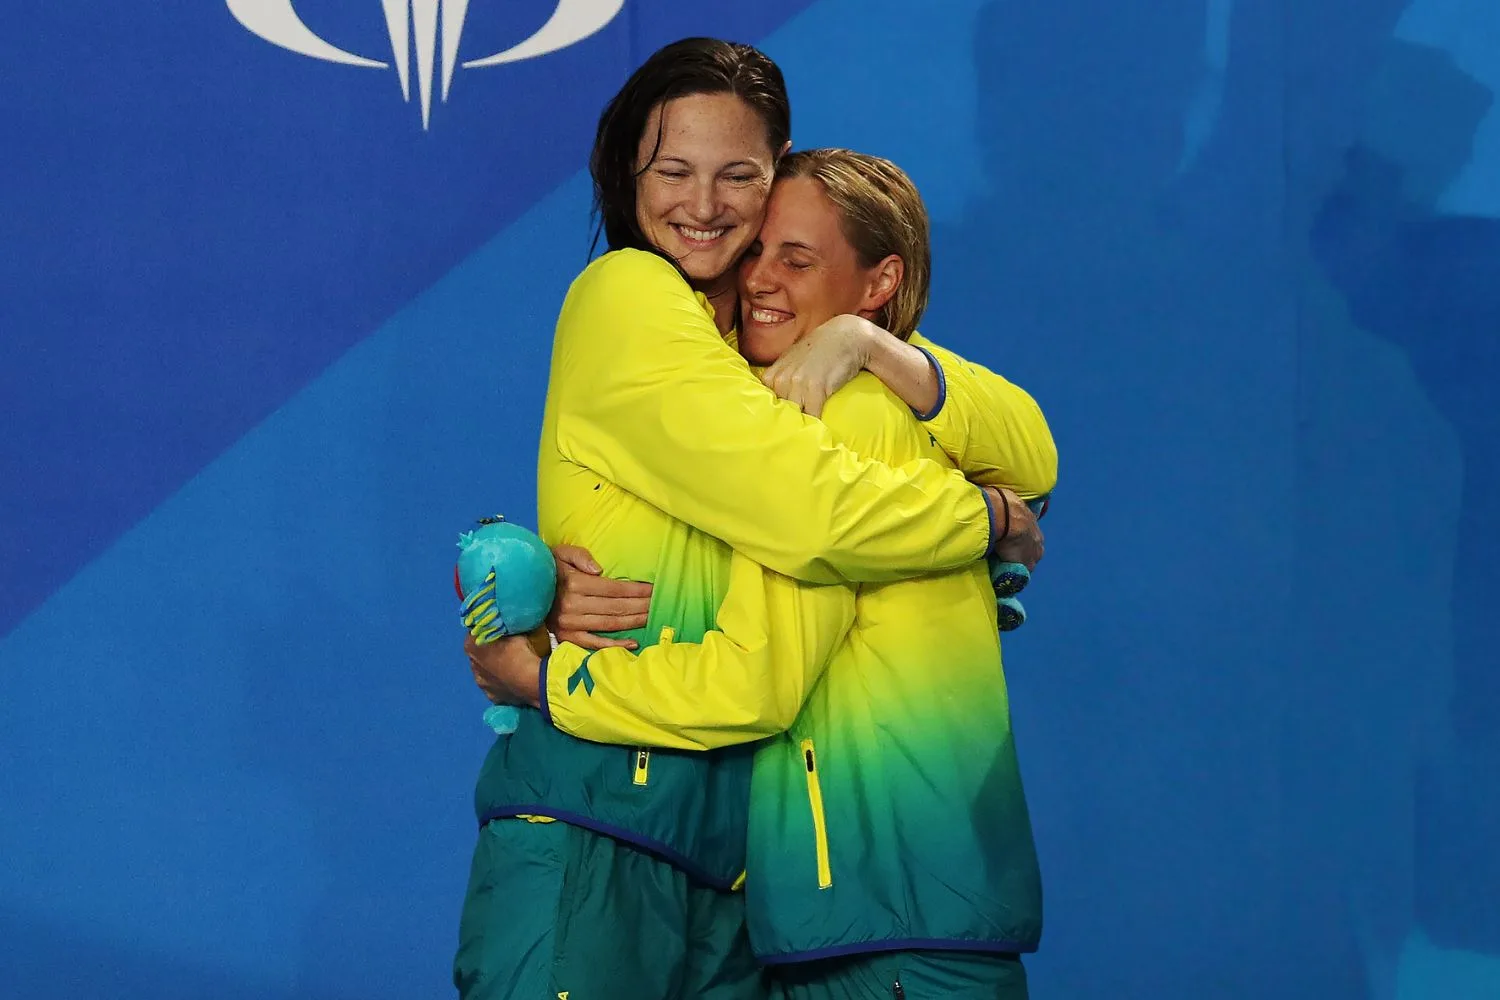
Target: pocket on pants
x,y
506,927
622,923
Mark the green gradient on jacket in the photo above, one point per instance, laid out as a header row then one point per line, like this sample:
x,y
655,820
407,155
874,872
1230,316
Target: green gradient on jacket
x,y
925,835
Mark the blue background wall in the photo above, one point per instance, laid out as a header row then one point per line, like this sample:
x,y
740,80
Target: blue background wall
x,y
1246,254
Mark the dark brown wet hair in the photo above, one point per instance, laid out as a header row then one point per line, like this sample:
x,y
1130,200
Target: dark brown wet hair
x,y
689,66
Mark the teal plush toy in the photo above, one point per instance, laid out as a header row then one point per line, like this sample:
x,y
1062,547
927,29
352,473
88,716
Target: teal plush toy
x,y
506,579
1011,578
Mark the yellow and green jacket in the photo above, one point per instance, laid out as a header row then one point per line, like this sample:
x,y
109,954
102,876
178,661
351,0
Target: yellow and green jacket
x,y
890,814
664,455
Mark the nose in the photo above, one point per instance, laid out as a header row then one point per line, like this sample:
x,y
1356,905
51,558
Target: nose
x,y
758,275
703,202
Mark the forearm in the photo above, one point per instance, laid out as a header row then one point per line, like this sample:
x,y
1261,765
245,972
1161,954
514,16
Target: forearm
x,y
906,370
742,682
665,696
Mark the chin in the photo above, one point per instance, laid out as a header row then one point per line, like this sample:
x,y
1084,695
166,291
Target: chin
x,y
704,266
763,351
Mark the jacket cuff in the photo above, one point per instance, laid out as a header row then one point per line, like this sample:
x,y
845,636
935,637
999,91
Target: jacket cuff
x,y
999,522
542,684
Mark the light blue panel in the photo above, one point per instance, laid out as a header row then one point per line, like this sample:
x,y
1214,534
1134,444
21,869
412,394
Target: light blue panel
x,y
1469,31
1428,972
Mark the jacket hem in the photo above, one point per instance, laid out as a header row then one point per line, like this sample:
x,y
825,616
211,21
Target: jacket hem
x,y
897,944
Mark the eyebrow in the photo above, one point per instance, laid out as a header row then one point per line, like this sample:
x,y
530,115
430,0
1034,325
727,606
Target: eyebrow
x,y
796,245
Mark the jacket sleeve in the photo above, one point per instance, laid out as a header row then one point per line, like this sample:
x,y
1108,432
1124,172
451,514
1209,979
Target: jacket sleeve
x,y
648,395
992,429
743,682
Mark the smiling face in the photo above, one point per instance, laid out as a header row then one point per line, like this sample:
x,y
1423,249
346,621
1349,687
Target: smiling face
x,y
701,197
802,271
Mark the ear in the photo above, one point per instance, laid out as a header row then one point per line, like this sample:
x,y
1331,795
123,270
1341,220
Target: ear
x,y
785,150
881,283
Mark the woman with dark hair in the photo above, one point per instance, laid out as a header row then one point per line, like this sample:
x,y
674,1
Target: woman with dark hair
x,y
603,871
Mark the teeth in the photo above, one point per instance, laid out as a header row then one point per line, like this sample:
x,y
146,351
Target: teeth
x,y
703,235
766,316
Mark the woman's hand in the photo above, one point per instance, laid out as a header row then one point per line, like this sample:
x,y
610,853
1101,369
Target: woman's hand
x,y
508,670
1024,542
587,603
823,362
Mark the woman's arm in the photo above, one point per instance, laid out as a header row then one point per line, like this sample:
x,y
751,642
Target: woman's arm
x,y
991,429
743,682
645,392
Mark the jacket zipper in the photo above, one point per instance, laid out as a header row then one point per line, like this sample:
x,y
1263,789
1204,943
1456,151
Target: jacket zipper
x,y
820,826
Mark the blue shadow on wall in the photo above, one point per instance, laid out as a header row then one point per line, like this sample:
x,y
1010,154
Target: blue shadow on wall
x,y
1151,314
1160,247
1430,284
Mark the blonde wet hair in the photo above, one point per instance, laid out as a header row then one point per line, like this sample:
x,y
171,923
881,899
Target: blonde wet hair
x,y
881,214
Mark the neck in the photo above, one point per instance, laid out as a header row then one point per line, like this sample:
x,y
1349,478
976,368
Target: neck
x,y
723,296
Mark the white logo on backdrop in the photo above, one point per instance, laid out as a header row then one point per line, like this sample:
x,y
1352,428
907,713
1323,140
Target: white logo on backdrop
x,y
416,28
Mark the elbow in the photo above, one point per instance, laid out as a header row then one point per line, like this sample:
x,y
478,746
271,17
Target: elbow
x,y
756,717
1039,476
810,547
1045,477
1031,479
743,731
770,721
771,716
779,716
